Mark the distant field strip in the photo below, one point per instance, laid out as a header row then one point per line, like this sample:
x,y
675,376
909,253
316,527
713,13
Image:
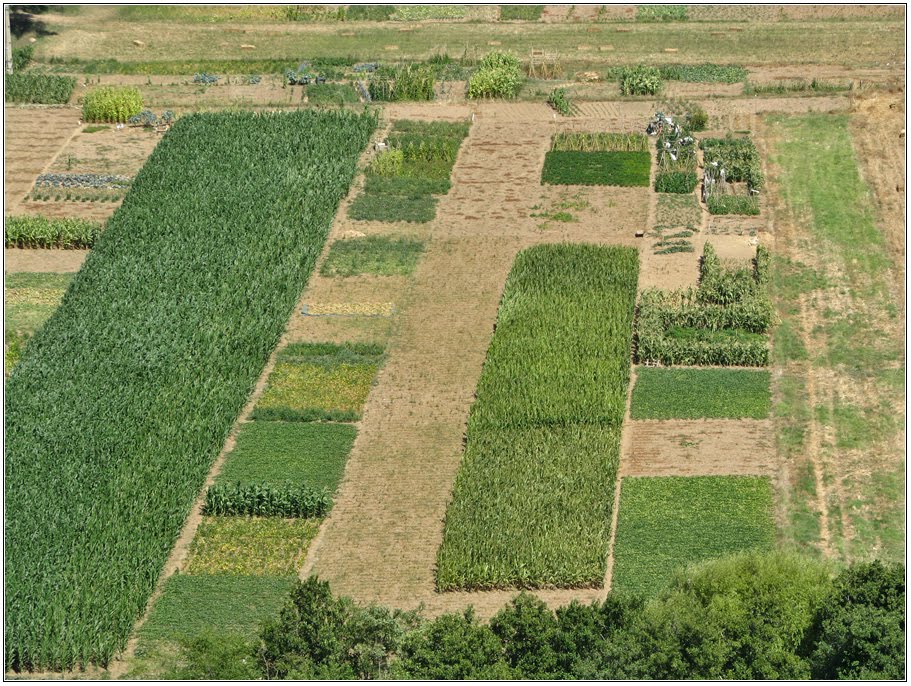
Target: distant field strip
x,y
707,393
666,523
128,392
532,500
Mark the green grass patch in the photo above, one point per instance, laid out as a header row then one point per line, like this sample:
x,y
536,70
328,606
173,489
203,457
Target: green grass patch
x,y
683,393
255,546
521,12
278,453
569,167
666,523
378,255
319,381
191,605
532,499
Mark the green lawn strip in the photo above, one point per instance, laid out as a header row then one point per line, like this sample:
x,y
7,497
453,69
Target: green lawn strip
x,y
702,393
277,453
125,396
377,255
570,167
319,382
532,499
668,522
256,546
194,604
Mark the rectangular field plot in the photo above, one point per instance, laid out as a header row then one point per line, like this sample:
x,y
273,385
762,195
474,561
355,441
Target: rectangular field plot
x,y
666,523
377,255
319,382
573,167
532,500
708,393
277,453
259,546
193,604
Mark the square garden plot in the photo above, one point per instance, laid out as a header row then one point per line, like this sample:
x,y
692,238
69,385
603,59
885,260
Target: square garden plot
x,y
707,393
613,168
320,382
666,523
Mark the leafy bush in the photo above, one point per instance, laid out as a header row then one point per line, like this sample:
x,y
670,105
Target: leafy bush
x,y
263,500
700,394
558,100
675,182
499,75
41,232
599,142
152,355
640,80
596,168
521,12
111,104
545,426
661,13
38,88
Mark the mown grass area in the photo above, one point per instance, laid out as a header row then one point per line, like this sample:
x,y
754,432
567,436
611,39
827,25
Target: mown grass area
x,y
668,522
403,183
194,604
377,255
533,496
570,167
319,382
257,546
707,393
854,339
277,453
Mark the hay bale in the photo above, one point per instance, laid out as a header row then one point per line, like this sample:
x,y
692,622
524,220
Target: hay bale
x,y
139,43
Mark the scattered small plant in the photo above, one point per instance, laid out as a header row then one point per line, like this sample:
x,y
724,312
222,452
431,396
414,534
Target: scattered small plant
x,y
111,104
205,78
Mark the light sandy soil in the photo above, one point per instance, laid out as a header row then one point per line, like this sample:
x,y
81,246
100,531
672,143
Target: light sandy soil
x,y
18,260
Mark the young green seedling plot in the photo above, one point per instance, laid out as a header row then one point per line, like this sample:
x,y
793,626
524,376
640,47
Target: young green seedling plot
x,y
319,382
129,390
532,499
725,321
376,255
666,523
403,182
700,394
597,159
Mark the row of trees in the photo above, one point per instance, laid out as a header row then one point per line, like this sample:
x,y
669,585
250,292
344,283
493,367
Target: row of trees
x,y
753,616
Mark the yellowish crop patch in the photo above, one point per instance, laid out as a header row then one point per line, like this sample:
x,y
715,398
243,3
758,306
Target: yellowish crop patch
x,y
257,546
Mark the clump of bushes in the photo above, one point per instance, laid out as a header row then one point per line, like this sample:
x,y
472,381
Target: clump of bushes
x,y
111,104
499,75
39,89
41,232
640,80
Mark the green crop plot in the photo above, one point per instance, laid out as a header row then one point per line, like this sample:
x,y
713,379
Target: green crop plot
x,y
30,299
532,500
572,167
666,523
278,453
193,604
377,255
319,382
707,393
257,546
126,395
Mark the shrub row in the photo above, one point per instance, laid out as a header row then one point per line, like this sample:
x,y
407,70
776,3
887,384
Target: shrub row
x,y
532,499
111,104
265,500
129,390
41,232
39,89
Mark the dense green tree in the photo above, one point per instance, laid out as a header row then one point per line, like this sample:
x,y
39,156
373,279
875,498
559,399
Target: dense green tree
x,y
527,629
859,632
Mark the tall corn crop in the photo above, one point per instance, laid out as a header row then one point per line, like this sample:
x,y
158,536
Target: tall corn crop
x,y
532,499
125,397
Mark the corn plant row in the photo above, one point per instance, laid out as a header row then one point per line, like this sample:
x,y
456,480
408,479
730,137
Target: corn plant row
x,y
38,88
599,142
41,232
532,500
126,395
264,500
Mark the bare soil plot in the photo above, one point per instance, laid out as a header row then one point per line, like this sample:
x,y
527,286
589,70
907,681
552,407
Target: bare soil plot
x,y
42,260
700,447
106,152
33,137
